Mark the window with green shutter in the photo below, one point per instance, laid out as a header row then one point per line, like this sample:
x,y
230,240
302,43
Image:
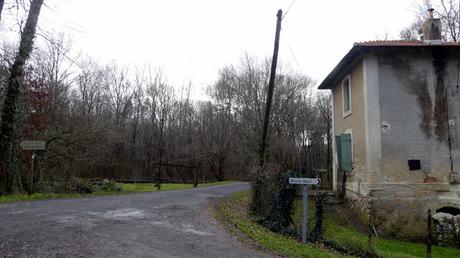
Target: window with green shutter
x,y
344,151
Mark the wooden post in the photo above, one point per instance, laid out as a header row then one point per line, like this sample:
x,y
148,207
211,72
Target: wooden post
x,y
157,177
344,185
31,176
370,233
195,177
429,236
256,205
271,86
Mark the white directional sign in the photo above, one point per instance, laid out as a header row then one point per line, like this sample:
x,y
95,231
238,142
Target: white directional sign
x,y
304,181
33,145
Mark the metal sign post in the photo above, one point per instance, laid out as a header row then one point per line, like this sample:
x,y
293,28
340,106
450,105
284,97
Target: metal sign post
x,y
304,182
305,213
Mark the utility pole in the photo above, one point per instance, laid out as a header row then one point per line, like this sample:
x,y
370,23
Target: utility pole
x,y
257,195
271,86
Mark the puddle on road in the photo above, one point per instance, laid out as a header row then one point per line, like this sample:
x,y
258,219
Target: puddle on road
x,y
124,213
120,214
73,220
89,217
184,228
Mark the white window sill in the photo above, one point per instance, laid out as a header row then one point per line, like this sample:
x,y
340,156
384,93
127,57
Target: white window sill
x,y
346,114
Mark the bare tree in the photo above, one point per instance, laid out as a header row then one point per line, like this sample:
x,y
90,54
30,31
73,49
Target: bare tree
x,y
449,14
446,10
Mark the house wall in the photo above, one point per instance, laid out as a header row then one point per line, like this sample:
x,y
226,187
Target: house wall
x,y
353,124
414,126
413,115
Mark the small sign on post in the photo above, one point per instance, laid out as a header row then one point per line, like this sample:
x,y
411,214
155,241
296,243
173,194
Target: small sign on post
x,y
33,145
304,182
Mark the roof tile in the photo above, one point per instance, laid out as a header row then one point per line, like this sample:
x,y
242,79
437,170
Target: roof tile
x,y
403,43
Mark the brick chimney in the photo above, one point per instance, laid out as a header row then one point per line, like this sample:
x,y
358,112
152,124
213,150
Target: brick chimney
x,y
431,28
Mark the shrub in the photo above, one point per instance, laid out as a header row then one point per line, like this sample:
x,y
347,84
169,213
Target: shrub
x,y
282,206
65,185
284,203
109,186
81,185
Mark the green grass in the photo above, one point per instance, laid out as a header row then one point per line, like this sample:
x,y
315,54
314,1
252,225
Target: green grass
x,y
339,230
126,189
148,187
234,213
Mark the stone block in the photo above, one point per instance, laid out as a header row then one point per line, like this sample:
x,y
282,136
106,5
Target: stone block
x,y
433,187
383,194
424,194
404,193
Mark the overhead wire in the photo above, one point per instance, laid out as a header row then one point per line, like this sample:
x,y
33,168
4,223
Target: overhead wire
x,y
289,8
294,57
44,35
289,47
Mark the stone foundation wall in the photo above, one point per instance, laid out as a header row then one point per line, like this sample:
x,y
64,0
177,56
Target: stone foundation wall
x,y
400,210
401,219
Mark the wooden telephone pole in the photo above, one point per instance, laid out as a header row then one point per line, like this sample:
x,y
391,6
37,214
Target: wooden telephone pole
x,y
260,175
271,86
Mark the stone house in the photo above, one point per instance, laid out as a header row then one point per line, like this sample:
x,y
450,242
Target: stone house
x,y
396,111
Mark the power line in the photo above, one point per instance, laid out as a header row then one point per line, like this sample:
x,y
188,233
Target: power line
x,y
295,59
79,29
289,8
51,40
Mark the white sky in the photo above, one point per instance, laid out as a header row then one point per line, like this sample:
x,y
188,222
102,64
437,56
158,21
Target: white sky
x,y
191,39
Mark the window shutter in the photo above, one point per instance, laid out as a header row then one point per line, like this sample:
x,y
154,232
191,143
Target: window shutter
x,y
345,152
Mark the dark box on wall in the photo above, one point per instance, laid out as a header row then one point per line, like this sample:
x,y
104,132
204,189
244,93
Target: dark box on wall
x,y
414,164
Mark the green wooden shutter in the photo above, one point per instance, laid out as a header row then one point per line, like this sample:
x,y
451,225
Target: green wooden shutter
x,y
345,152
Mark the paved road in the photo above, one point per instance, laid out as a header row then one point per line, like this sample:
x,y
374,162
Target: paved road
x,y
162,224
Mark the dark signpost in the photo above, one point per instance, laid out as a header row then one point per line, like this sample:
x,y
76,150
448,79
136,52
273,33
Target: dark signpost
x,y
32,146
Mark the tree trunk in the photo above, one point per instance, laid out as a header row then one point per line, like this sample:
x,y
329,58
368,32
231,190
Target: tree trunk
x,y
12,108
2,2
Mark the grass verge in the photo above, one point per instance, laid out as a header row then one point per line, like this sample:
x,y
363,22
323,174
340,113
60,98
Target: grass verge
x,y
339,230
233,212
126,189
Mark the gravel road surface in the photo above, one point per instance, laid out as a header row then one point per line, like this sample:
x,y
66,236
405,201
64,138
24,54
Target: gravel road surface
x,y
160,224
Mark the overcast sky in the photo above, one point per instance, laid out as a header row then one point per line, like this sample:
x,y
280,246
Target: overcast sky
x,y
191,39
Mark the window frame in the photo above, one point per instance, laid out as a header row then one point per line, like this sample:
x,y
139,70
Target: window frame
x,y
348,112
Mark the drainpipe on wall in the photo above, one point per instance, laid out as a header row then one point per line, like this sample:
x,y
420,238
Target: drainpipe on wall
x,y
454,92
